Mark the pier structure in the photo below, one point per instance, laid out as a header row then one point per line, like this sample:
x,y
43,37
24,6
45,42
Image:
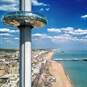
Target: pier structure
x,y
25,20
71,59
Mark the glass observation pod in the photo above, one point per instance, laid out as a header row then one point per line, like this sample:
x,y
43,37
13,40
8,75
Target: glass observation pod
x,y
15,19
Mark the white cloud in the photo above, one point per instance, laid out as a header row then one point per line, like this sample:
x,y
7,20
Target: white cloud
x,y
41,9
6,38
54,30
47,9
84,16
44,9
10,1
9,5
13,5
36,3
78,32
84,37
16,38
8,41
68,30
72,31
5,34
37,35
59,30
63,38
67,35
6,30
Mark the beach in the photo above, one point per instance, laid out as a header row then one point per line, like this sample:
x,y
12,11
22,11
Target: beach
x,y
57,70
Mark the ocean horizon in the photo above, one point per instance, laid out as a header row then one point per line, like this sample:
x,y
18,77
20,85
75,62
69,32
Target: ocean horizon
x,y
76,70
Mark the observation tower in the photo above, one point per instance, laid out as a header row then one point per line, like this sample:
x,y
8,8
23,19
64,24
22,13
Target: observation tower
x,y
25,20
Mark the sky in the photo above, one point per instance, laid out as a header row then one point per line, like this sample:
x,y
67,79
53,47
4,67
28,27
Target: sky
x,y
66,28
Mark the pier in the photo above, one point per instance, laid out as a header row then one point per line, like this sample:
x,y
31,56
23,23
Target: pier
x,y
73,59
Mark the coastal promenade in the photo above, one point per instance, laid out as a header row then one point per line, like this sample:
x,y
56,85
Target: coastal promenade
x,y
57,70
45,72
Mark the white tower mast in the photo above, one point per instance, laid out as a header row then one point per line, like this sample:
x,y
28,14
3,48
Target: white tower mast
x,y
25,48
25,5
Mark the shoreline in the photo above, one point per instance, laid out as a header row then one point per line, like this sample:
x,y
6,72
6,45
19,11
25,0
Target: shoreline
x,y
57,70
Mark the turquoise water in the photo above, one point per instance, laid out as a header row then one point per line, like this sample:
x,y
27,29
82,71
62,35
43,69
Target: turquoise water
x,y
76,70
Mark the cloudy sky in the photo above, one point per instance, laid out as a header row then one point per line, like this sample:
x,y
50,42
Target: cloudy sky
x,y
66,28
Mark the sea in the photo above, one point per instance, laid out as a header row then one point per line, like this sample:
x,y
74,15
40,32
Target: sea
x,y
76,70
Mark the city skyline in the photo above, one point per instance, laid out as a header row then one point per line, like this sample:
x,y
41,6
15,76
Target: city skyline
x,y
66,28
